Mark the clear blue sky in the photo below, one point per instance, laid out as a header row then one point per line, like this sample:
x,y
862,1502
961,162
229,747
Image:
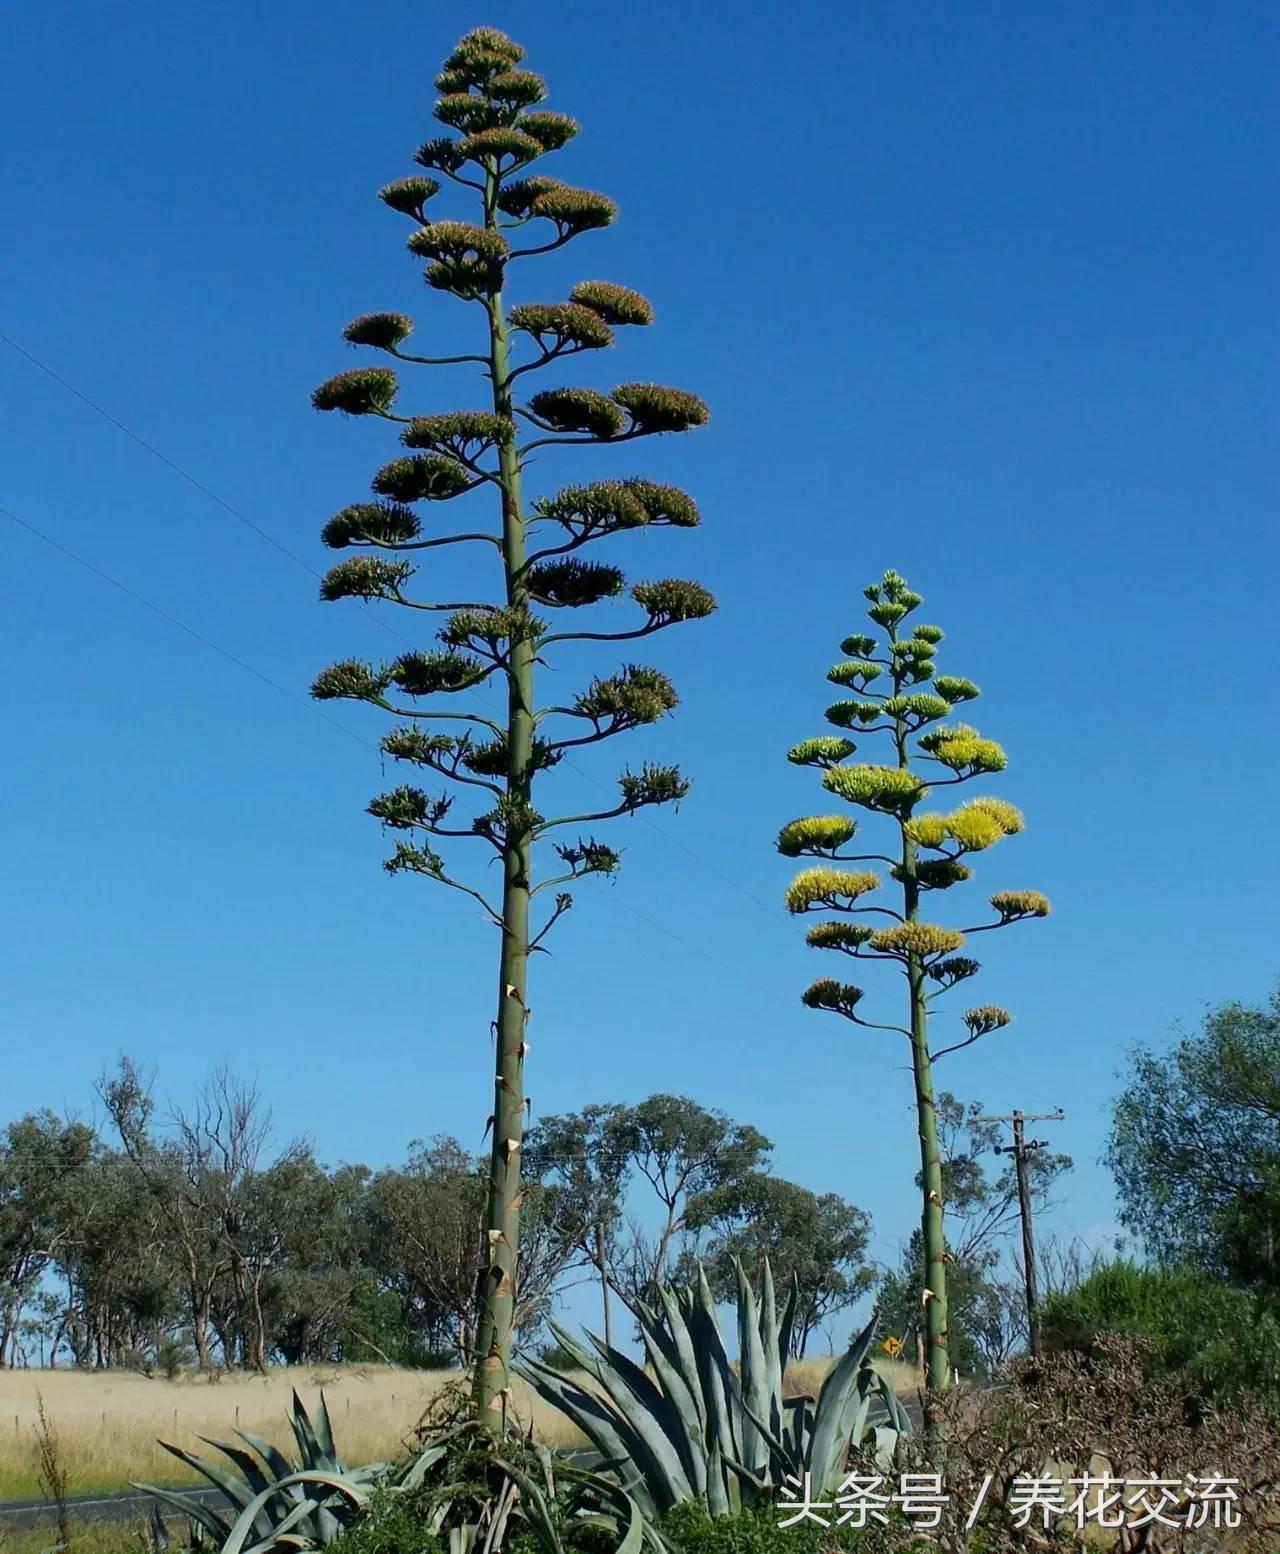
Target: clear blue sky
x,y
982,292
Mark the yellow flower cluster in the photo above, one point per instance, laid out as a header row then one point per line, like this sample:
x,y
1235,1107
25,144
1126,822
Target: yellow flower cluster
x,y
970,753
818,832
888,788
838,997
828,887
916,939
838,936
987,1017
1007,816
1013,904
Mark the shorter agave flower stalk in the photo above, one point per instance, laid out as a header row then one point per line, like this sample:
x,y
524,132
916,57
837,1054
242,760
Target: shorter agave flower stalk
x,y
886,674
692,1427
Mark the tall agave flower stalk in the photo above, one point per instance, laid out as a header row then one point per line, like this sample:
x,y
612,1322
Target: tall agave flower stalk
x,y
497,756
927,853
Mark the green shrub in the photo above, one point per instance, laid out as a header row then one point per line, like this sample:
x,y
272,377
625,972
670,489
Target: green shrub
x,y
690,1529
1225,1340
393,1525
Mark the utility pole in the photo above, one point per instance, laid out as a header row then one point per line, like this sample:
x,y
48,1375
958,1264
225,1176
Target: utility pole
x,y
1021,1149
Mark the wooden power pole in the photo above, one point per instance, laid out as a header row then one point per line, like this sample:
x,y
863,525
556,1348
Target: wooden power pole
x,y
1021,1149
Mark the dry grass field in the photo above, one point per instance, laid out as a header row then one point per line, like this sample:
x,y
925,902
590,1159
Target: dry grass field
x,y
108,1423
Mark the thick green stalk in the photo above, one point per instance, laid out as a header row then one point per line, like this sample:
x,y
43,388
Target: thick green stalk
x,y
937,1363
497,1291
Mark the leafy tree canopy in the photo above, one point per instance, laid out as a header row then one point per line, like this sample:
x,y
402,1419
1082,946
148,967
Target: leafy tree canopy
x,y
1195,1146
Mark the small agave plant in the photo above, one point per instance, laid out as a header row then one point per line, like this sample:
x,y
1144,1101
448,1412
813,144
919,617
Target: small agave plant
x,y
479,1492
274,1503
691,1428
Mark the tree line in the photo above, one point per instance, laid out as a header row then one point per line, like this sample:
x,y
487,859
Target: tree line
x,y
159,1236
165,1236
183,1233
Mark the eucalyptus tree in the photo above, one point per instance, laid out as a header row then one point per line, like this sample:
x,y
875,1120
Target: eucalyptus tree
x,y
497,757
924,856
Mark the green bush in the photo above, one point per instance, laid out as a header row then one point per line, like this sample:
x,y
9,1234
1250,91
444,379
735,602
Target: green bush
x,y
1225,1340
393,1525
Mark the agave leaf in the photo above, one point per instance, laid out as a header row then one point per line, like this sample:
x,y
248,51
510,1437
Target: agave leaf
x,y
786,1327
649,1319
535,1505
236,1490
338,1483
798,1413
324,1435
283,1532
829,1440
609,1432
423,1463
775,1445
633,1538
717,1377
245,1461
275,1460
192,1509
688,1437
752,1371
773,1357
744,1477
638,1400
305,1435
898,1416
686,1361
719,1501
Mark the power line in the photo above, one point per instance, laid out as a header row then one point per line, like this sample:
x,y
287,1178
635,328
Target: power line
x,y
181,625
270,539
263,534
307,705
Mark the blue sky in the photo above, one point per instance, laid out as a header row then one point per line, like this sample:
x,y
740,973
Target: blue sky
x,y
984,293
